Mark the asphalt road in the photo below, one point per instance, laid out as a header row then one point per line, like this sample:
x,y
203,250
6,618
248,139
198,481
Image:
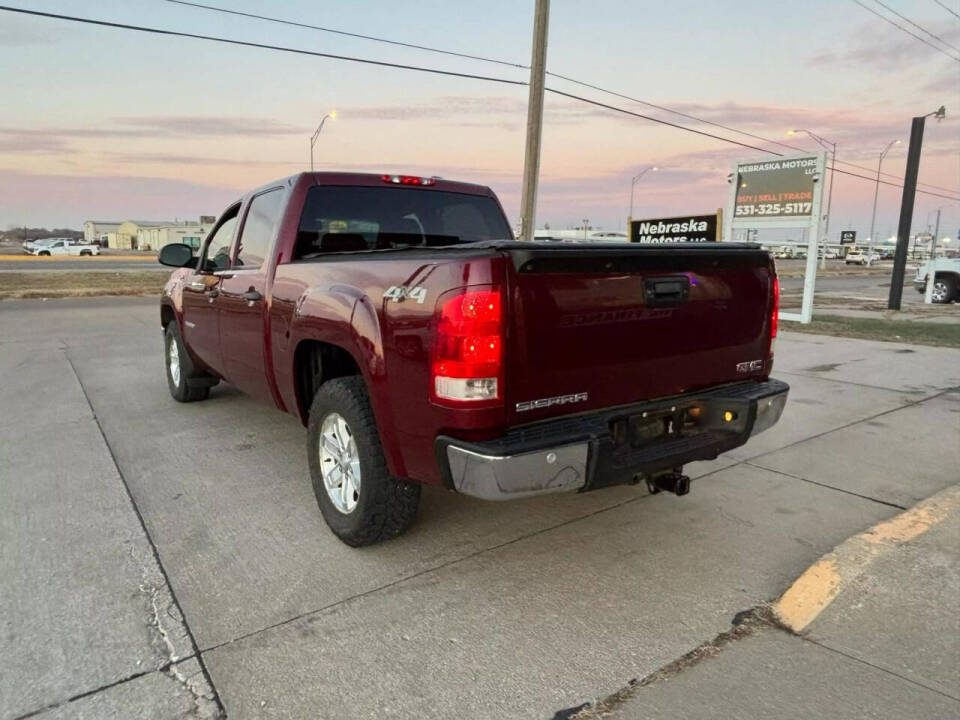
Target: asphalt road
x,y
160,559
103,263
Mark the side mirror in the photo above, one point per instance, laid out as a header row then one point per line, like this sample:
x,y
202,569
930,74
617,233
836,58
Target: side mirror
x,y
177,255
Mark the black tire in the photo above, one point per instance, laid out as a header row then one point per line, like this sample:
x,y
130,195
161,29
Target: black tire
x,y
191,385
944,288
85,252
385,506
43,253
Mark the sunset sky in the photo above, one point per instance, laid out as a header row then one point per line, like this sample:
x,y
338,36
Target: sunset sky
x,y
110,124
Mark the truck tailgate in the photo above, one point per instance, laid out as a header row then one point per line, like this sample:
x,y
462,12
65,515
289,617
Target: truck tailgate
x,y
599,326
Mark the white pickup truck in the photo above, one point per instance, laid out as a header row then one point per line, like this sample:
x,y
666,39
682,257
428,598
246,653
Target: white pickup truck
x,y
946,279
61,246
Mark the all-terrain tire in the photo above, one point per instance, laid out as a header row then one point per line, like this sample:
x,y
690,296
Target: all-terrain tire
x,y
189,384
385,506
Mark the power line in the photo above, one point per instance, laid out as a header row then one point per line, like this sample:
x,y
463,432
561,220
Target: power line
x,y
918,27
262,46
948,9
772,152
401,66
908,32
581,83
346,33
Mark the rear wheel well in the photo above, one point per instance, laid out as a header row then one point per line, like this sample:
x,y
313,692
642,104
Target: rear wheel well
x,y
315,362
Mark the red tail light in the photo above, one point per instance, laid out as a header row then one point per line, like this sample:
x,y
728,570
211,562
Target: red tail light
x,y
467,363
774,312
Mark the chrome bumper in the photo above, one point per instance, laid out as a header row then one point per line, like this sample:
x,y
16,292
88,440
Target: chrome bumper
x,y
512,467
505,477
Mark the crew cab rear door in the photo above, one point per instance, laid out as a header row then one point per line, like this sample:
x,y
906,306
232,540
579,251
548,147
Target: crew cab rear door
x,y
243,295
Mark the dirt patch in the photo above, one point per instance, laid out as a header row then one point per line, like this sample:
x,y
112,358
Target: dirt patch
x,y
80,284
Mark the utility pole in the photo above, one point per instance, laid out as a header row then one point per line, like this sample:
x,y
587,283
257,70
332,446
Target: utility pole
x,y
531,159
906,206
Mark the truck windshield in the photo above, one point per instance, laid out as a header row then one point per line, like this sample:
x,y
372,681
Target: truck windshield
x,y
343,219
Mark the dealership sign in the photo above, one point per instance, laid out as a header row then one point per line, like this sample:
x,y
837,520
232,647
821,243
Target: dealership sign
x,y
686,228
776,188
848,237
783,193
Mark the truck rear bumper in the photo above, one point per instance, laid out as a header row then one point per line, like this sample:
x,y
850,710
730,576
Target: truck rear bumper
x,y
611,447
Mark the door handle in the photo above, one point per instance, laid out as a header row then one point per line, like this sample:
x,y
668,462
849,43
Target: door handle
x,y
251,296
666,291
211,293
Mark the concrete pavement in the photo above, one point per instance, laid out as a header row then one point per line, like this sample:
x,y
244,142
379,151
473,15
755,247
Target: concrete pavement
x,y
871,630
482,610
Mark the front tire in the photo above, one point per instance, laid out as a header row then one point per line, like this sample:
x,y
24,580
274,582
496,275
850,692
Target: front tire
x,y
360,501
180,370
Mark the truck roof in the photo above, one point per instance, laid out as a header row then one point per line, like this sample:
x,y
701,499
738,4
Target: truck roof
x,y
376,180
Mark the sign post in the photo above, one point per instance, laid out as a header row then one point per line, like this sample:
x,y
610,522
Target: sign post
x,y
783,193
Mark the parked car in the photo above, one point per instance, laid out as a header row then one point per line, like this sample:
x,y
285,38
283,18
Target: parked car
x,y
63,246
398,319
859,257
946,279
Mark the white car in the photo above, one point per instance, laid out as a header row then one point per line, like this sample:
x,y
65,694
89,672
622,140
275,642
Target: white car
x,y
859,257
62,246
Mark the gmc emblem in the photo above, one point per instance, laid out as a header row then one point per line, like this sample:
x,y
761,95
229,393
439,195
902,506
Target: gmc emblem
x,y
750,366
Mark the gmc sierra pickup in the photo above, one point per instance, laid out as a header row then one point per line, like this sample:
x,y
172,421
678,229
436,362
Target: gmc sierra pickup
x,y
421,344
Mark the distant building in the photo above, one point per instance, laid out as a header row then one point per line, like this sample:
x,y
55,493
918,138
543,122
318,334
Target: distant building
x,y
590,235
127,236
96,231
154,237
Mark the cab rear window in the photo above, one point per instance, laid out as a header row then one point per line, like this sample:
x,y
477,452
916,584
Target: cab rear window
x,y
353,219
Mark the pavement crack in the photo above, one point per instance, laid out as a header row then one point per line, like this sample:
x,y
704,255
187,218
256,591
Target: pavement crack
x,y
743,625
824,485
203,697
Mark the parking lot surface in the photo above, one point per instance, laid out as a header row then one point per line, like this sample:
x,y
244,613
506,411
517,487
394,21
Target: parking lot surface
x,y
164,559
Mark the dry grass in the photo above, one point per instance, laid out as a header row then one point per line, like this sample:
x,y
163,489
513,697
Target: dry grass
x,y
914,332
80,284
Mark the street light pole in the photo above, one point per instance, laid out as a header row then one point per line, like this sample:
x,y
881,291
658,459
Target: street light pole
x,y
832,147
633,184
876,189
531,159
313,138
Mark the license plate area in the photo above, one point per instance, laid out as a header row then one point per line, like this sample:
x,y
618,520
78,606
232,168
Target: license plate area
x,y
672,422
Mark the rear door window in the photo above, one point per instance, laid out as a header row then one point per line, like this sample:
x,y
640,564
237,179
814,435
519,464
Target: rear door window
x,y
259,229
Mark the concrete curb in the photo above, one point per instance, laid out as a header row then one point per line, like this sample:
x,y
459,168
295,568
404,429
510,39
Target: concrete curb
x,y
823,581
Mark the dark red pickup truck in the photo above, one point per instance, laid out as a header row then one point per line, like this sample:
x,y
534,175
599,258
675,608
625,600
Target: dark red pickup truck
x,y
419,343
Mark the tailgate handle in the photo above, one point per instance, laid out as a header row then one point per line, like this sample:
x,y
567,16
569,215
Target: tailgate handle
x,y
666,291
